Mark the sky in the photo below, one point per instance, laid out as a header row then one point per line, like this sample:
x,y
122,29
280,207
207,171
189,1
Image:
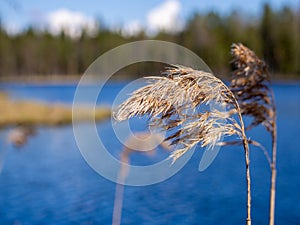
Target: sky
x,y
130,16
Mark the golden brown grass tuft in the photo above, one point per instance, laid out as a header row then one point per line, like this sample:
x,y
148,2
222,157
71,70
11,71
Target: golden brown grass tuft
x,y
251,86
174,102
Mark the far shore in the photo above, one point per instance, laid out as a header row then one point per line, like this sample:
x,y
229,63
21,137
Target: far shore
x,y
75,78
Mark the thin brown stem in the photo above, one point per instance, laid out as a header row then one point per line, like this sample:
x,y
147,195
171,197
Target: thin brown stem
x,y
247,163
273,176
272,195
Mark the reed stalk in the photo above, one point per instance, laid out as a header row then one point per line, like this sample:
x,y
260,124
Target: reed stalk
x,y
251,87
174,103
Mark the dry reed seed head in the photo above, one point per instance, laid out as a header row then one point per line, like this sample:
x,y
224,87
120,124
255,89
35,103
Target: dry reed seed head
x,y
207,130
250,84
176,102
249,68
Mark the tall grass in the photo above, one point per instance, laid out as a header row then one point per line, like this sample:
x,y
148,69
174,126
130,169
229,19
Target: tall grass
x,y
251,86
174,102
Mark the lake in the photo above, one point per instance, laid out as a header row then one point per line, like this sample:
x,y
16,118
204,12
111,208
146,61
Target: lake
x,y
49,182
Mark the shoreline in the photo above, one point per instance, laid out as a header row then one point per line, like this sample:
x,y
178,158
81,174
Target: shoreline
x,y
288,79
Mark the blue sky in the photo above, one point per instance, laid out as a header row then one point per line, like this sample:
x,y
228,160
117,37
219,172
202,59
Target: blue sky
x,y
131,13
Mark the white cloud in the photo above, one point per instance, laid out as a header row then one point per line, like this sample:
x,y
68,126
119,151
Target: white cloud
x,y
132,28
12,28
72,23
165,17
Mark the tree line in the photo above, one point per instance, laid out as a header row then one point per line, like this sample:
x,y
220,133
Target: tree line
x,y
274,36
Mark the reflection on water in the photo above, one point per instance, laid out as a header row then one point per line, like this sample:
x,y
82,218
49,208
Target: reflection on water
x,y
19,135
48,182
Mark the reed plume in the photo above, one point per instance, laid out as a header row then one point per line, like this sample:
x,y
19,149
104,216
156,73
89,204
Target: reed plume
x,y
177,102
251,86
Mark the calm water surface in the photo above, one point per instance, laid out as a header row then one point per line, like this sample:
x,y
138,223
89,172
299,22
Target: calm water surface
x,y
48,181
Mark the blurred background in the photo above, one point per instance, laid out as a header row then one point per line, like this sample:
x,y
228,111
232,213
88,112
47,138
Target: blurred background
x,y
45,47
55,38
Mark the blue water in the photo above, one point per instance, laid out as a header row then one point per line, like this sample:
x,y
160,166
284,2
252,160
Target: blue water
x,y
48,181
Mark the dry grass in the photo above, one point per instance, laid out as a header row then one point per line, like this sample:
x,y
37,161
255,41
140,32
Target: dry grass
x,y
251,86
174,103
37,113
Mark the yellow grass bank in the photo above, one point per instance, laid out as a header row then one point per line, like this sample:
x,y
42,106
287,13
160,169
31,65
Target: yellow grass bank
x,y
28,112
